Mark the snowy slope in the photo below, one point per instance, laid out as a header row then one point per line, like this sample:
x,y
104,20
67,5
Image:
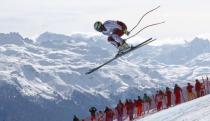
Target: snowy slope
x,y
196,110
51,70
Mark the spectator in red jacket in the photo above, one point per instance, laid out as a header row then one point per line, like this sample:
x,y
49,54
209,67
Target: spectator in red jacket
x,y
119,110
168,94
131,106
198,88
202,89
126,106
190,94
139,106
100,116
177,93
109,114
159,100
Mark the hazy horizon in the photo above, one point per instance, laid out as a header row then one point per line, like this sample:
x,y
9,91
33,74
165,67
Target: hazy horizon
x,y
184,19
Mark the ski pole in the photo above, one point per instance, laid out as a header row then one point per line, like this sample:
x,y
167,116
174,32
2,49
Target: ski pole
x,y
143,29
142,18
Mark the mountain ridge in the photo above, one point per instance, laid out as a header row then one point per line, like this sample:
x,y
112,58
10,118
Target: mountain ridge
x,y
52,68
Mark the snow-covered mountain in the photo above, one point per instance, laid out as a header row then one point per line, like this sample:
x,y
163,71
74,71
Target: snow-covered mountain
x,y
196,110
47,76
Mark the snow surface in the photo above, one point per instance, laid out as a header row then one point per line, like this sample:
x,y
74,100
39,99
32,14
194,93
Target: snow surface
x,y
195,110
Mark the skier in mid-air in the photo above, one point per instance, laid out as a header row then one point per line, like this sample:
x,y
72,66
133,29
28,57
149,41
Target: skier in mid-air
x,y
114,30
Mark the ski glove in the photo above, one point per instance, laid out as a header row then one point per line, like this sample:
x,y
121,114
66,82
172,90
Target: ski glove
x,y
126,32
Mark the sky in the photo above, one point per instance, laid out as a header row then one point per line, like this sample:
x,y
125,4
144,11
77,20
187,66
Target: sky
x,y
185,19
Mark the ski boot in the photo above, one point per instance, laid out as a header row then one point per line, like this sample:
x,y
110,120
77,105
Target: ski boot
x,y
123,48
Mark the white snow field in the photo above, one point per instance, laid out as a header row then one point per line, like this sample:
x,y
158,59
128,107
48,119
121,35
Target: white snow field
x,y
196,110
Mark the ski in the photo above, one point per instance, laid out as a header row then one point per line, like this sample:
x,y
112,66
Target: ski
x,y
119,55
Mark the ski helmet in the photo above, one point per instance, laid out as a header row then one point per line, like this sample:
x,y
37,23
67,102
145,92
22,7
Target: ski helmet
x,y
97,25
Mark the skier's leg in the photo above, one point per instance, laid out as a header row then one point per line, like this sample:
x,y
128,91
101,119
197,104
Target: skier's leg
x,y
118,39
119,43
112,41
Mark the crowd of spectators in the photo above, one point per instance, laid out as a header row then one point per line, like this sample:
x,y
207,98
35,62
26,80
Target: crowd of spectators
x,y
146,104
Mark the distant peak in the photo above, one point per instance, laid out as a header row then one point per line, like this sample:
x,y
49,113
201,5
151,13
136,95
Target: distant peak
x,y
46,36
199,41
11,38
